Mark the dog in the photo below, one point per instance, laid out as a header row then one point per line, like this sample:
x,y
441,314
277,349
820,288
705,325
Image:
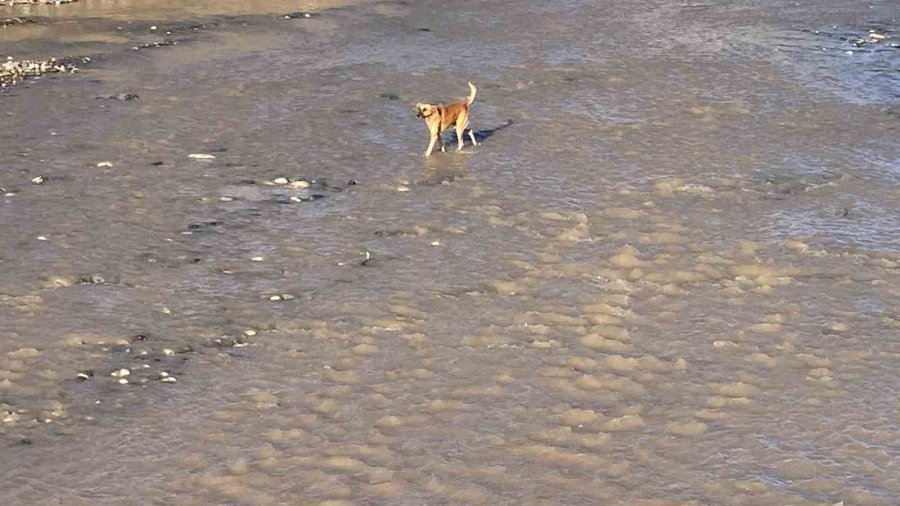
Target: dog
x,y
440,117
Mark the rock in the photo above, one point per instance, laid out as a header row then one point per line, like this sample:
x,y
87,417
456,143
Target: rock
x,y
93,279
105,164
41,238
201,156
121,373
257,259
38,180
84,376
299,184
169,379
167,352
287,296
123,381
280,180
275,298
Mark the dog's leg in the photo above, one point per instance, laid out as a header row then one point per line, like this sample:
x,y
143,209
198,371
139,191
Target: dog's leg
x,y
434,138
441,140
472,136
459,137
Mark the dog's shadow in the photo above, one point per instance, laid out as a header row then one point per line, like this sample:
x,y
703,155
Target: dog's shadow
x,y
484,134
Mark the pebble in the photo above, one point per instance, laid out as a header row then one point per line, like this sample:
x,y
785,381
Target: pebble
x,y
287,296
257,259
435,243
169,379
300,184
249,332
38,179
105,164
403,188
280,180
275,297
41,238
123,381
121,373
167,352
201,156
83,376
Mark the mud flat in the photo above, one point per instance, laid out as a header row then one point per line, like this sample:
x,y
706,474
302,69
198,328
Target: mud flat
x,y
667,275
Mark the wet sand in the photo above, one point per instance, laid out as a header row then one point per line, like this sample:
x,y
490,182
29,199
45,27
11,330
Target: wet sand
x,y
667,276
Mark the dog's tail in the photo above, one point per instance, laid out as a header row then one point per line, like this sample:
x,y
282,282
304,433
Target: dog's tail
x,y
471,97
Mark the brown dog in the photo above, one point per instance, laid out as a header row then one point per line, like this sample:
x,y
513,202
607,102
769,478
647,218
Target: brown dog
x,y
441,117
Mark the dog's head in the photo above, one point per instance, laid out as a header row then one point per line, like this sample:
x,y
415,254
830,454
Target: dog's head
x,y
424,110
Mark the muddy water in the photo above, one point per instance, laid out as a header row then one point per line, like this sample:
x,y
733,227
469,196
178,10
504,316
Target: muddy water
x,y
667,276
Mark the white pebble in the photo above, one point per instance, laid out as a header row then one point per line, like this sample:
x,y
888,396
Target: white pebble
x,y
41,238
105,164
435,243
38,179
153,27
163,374
287,296
280,180
123,381
257,259
121,373
167,352
249,332
275,298
403,188
169,379
300,184
201,156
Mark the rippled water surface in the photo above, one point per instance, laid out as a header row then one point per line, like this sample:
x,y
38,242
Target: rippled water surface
x,y
667,275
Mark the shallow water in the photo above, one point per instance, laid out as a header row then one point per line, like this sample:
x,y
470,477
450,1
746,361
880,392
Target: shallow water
x,y
667,276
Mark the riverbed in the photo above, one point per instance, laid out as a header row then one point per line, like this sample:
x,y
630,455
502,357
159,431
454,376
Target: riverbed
x,y
667,275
